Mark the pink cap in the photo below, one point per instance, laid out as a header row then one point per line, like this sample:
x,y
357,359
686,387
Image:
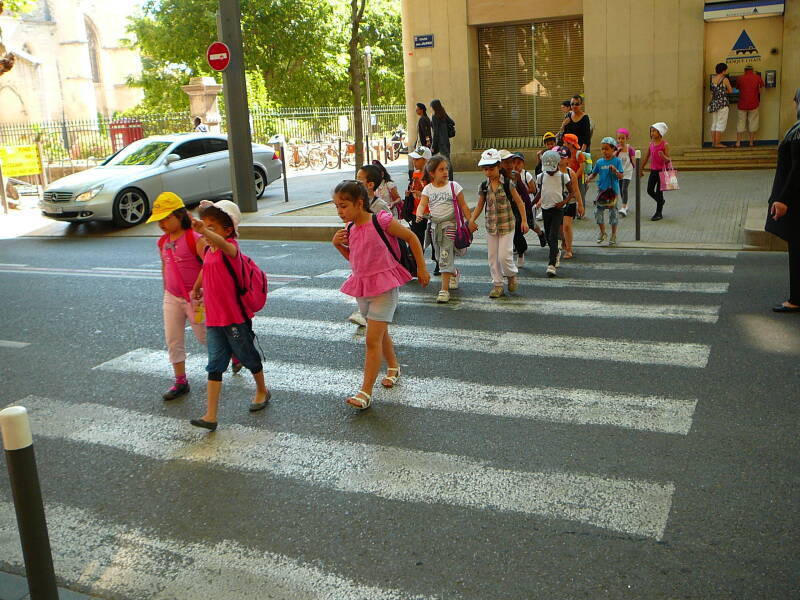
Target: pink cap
x,y
624,131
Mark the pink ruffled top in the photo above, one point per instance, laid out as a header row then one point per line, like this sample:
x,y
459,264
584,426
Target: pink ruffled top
x,y
375,270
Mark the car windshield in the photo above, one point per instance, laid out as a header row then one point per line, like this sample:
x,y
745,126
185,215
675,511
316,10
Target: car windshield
x,y
139,154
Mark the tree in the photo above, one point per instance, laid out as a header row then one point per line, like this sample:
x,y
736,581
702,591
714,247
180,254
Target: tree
x,y
356,14
14,6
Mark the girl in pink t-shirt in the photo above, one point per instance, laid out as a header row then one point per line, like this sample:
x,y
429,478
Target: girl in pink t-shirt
x,y
229,323
180,249
377,275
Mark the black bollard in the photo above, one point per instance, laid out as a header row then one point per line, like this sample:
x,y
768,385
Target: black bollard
x,y
638,196
25,489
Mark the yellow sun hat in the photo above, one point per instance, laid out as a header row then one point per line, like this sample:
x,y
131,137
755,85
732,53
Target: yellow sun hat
x,y
165,205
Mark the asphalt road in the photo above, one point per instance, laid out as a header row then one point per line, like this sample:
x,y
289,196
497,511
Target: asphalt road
x,y
627,430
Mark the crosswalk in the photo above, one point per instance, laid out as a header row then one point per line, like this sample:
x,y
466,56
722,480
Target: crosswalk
x,y
676,303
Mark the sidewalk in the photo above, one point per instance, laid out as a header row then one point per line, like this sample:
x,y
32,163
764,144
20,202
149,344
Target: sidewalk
x,y
710,210
15,587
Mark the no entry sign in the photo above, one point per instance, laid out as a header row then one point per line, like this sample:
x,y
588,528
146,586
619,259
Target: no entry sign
x,y
219,56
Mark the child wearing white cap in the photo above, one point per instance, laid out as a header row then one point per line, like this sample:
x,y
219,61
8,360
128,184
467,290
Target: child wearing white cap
x,y
659,152
554,192
497,194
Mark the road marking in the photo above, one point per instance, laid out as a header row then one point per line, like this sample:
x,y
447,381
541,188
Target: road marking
x,y
499,342
116,559
12,265
619,266
577,406
703,287
11,344
126,270
634,507
566,308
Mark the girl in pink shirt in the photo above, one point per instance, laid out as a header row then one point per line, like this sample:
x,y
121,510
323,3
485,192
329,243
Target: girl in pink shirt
x,y
180,250
377,275
229,324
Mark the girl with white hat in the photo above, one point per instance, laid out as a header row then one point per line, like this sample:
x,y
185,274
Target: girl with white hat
x,y
659,152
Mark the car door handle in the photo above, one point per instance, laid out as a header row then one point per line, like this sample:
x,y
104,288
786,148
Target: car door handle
x,y
201,167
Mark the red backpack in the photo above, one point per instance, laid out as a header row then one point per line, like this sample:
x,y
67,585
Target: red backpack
x,y
251,283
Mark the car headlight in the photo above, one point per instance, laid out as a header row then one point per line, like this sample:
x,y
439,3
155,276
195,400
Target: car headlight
x,y
88,195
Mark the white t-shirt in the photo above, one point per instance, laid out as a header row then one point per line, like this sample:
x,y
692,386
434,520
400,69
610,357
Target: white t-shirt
x,y
384,191
554,188
627,164
440,200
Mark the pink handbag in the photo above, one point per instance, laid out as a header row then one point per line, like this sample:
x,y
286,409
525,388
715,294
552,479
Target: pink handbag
x,y
668,178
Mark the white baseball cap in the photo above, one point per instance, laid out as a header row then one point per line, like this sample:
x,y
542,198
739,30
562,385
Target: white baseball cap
x,y
550,160
229,208
421,152
504,154
489,157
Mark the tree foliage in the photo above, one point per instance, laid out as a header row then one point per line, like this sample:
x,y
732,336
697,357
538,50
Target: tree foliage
x,y
296,51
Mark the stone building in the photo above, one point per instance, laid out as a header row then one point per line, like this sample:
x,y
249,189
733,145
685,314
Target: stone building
x,y
72,62
502,69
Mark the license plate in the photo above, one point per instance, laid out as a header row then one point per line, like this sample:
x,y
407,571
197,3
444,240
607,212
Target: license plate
x,y
53,210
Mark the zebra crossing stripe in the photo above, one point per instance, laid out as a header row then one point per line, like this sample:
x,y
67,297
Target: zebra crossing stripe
x,y
123,561
565,308
13,344
702,287
576,406
498,342
618,266
633,507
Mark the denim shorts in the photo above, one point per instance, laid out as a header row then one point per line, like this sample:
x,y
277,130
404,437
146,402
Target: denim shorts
x,y
379,308
613,214
228,341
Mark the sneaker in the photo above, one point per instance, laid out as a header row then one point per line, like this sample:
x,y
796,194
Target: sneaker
x,y
539,216
623,212
513,284
358,319
551,271
558,259
656,217
520,260
443,296
176,391
601,238
542,239
454,281
496,291
612,241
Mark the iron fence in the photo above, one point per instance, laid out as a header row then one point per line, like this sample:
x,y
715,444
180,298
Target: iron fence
x,y
92,140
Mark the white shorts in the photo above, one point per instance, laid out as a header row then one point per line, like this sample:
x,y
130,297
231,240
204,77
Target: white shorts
x,y
719,119
379,308
747,121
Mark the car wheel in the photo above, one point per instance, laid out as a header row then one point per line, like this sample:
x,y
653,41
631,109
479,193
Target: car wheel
x,y
130,208
260,181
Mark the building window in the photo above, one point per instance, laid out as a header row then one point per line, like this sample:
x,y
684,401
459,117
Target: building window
x,y
526,71
94,50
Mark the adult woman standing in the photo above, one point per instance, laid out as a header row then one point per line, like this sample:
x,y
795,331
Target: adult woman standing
x,y
784,207
443,128
718,107
578,123
424,135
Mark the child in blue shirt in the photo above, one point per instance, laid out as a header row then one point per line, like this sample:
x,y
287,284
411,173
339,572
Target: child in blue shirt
x,y
609,171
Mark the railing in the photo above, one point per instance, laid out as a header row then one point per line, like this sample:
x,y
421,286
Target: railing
x,y
90,141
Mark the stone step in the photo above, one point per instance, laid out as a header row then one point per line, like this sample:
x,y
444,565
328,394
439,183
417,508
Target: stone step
x,y
722,165
732,153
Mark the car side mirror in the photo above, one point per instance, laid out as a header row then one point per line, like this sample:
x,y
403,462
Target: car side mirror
x,y
171,158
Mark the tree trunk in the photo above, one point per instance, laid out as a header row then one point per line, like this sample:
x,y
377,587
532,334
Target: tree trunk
x,y
356,14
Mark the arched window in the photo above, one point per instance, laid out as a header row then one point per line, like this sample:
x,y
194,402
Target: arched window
x,y
94,49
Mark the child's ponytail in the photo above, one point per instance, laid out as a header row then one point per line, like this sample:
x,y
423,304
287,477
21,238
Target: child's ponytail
x,y
355,190
183,216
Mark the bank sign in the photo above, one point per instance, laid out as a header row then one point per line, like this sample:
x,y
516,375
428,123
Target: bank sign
x,y
747,9
743,50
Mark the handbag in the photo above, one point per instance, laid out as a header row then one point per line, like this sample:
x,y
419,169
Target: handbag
x,y
668,178
463,236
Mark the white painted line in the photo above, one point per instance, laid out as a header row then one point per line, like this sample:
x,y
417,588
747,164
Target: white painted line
x,y
703,287
10,344
633,507
565,308
126,270
116,559
576,406
498,342
277,257
12,265
617,266
80,273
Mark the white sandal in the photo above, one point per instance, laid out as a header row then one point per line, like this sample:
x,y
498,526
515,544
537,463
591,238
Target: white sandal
x,y
391,378
360,402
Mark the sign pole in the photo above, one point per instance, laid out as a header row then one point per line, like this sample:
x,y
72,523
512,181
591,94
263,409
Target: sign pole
x,y
240,149
43,173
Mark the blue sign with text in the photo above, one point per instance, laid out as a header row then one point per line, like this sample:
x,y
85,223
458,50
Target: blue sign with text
x,y
423,41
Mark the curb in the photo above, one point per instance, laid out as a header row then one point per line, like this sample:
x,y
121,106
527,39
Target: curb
x,y
308,229
755,238
15,587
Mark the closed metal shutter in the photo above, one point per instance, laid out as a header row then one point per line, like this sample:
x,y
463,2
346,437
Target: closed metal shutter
x,y
526,71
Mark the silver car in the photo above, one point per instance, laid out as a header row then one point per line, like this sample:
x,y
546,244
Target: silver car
x,y
195,166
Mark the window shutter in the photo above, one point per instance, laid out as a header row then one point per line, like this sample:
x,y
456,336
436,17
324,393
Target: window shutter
x,y
526,71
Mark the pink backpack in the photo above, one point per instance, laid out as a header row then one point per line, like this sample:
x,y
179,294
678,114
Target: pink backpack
x,y
250,281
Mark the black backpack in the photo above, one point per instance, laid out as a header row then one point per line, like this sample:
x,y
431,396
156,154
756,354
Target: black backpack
x,y
406,258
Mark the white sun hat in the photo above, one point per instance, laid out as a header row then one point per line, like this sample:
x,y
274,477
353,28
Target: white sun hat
x,y
489,157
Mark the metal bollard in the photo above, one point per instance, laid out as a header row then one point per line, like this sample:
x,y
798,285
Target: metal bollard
x,y
339,162
638,156
385,151
18,444
283,170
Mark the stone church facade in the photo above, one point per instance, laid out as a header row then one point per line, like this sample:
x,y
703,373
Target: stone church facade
x,y
71,61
